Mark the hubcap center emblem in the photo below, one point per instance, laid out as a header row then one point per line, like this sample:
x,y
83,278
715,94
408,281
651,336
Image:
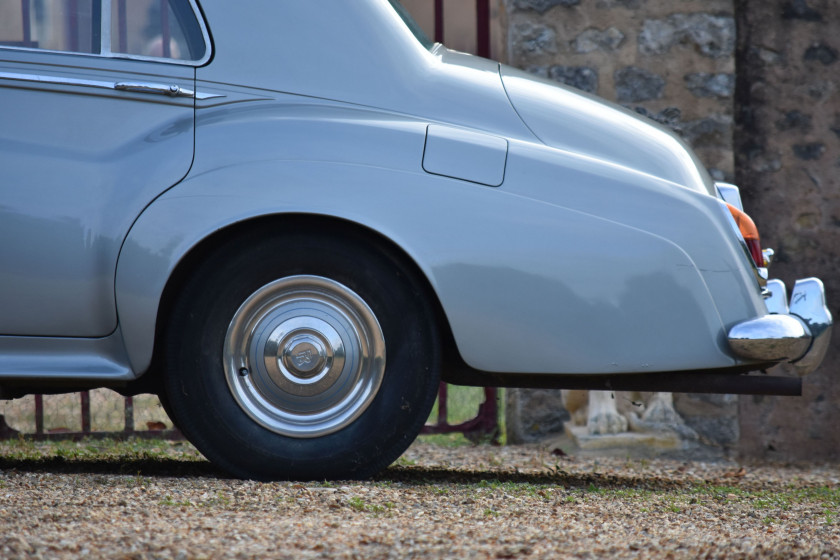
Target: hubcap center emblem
x,y
304,356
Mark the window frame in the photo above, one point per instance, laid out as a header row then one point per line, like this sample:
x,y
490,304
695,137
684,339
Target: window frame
x,y
104,34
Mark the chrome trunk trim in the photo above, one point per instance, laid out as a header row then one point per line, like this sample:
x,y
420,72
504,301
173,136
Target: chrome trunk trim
x,y
808,303
777,301
731,194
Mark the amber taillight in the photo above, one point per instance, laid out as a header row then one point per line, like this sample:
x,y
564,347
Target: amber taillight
x,y
750,234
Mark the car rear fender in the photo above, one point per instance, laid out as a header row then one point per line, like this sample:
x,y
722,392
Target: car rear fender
x,y
526,286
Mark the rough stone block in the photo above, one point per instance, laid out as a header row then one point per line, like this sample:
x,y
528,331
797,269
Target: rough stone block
x,y
722,432
624,440
835,128
715,130
762,162
809,152
799,9
594,39
627,4
713,417
712,35
794,120
533,414
821,53
670,116
541,71
581,77
634,84
533,39
767,56
542,6
703,84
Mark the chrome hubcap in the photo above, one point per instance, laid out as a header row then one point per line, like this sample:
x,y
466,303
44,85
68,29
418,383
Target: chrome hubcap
x,y
304,356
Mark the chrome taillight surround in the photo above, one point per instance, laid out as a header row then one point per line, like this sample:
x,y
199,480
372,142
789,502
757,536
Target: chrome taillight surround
x,y
730,194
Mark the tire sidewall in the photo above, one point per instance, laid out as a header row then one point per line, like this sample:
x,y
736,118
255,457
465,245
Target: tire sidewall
x,y
203,403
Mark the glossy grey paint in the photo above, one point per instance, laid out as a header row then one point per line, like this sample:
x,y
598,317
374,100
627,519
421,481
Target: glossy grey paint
x,y
500,261
461,154
97,360
579,261
79,163
579,257
574,121
371,60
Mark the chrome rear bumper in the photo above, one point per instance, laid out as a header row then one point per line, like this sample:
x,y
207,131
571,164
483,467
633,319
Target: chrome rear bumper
x,y
798,333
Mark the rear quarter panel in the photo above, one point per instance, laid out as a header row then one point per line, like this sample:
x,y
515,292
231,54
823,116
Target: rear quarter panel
x,y
528,283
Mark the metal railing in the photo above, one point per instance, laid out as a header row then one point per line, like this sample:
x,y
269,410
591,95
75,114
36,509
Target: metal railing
x,y
155,429
485,424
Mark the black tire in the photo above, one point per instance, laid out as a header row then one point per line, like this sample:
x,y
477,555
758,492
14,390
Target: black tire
x,y
167,407
225,416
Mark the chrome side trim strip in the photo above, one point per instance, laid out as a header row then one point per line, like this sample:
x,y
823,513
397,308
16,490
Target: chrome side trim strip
x,y
163,89
35,78
201,96
157,89
137,87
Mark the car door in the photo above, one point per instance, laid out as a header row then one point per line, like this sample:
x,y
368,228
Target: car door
x,y
96,120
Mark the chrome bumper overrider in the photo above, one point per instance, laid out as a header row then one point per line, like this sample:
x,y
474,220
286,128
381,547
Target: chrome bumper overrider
x,y
798,333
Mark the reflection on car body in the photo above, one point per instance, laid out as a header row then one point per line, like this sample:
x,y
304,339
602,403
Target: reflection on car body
x,y
291,241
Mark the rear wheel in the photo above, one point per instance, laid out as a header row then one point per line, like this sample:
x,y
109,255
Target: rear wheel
x,y
303,357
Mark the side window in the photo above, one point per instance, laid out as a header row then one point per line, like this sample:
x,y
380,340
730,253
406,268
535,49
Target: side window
x,y
54,25
156,28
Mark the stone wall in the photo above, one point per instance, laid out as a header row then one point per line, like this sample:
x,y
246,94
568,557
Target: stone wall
x,y
788,167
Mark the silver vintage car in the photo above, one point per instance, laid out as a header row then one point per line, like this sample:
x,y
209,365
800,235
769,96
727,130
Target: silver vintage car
x,y
291,220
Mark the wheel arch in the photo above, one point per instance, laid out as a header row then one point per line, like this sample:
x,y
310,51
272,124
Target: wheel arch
x,y
297,223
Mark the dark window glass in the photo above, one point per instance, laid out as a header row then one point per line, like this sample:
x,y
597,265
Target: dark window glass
x,y
53,25
156,28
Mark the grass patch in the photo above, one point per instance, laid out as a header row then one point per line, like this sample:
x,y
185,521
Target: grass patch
x,y
137,457
456,439
169,501
142,460
359,504
130,449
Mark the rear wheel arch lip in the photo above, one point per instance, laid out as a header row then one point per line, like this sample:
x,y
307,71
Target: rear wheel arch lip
x,y
143,352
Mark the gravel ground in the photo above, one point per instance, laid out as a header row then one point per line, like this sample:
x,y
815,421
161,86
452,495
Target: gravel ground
x,y
436,502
